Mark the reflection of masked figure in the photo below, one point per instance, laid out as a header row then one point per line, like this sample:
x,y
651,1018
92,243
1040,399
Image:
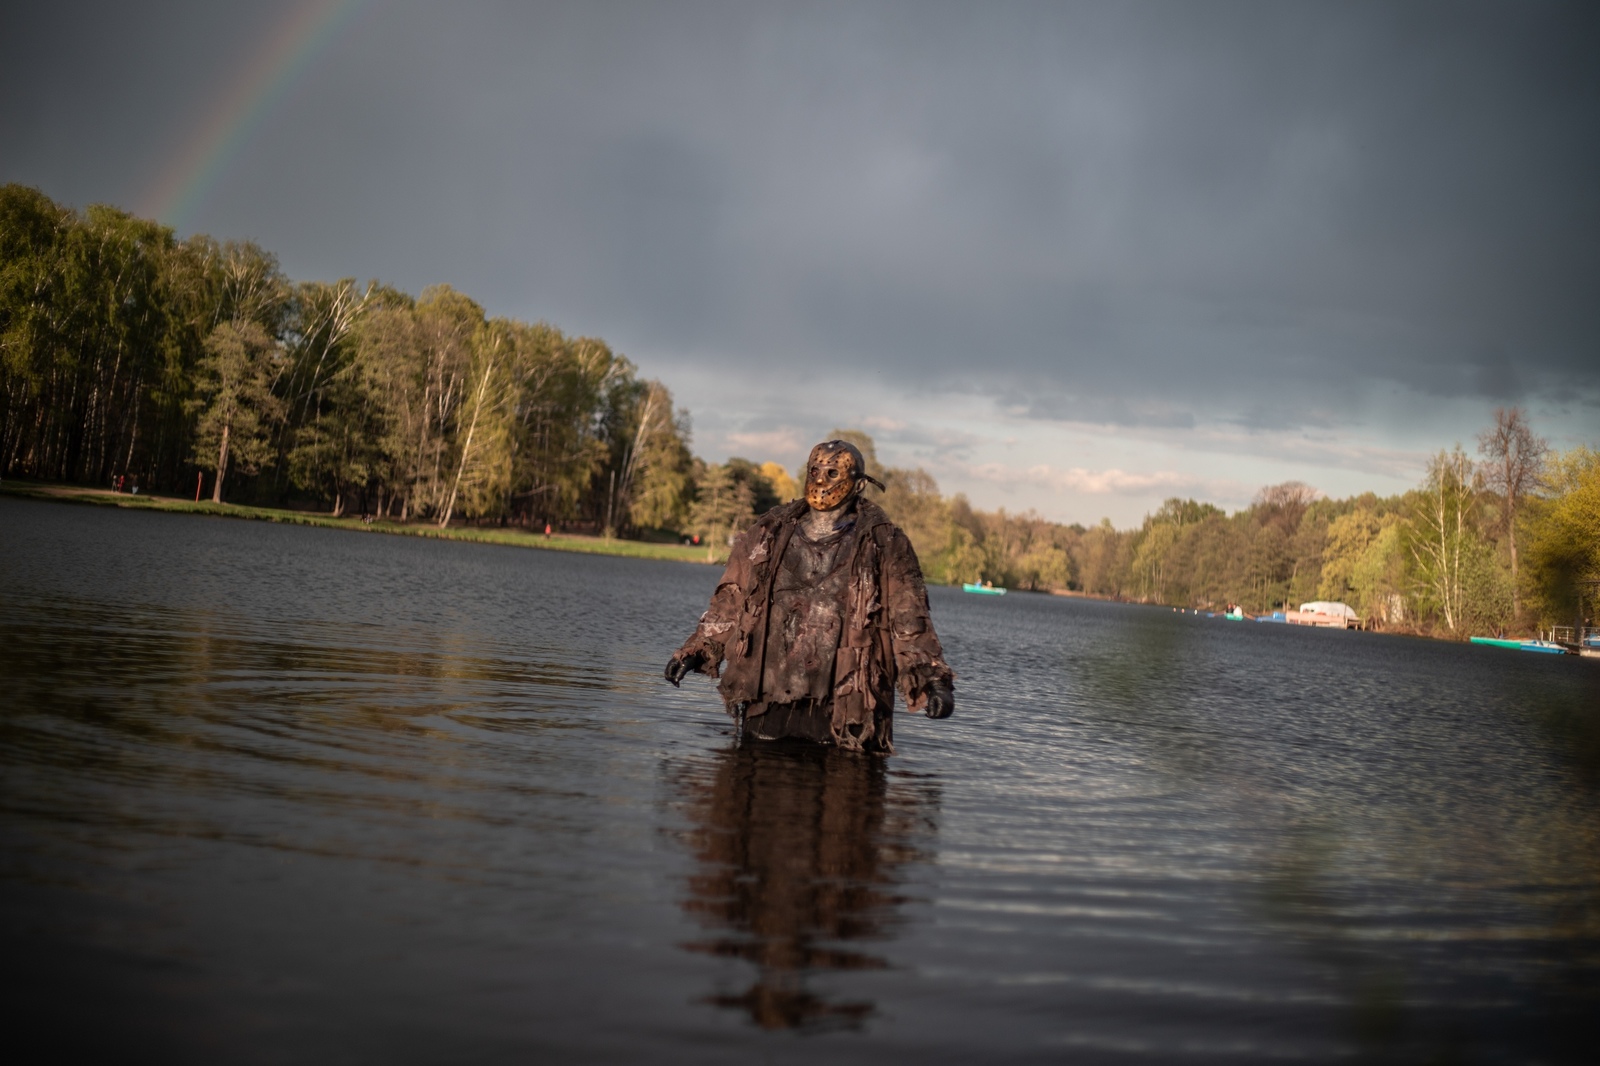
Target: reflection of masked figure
x,y
821,615
798,850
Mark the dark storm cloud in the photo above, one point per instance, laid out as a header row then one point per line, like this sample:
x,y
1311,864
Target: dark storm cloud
x,y
1134,214
649,209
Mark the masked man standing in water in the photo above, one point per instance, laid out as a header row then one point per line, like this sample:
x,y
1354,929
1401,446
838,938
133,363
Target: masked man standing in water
x,y
821,615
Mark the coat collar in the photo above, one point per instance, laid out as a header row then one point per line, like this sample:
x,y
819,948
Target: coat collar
x,y
868,514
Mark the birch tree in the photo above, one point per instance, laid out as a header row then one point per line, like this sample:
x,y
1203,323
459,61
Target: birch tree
x,y
483,469
658,469
1441,523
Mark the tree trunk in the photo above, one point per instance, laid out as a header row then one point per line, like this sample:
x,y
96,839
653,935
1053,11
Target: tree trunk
x,y
1511,536
222,464
611,499
467,447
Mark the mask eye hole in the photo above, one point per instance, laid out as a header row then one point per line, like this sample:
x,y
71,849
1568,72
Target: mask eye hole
x,y
833,475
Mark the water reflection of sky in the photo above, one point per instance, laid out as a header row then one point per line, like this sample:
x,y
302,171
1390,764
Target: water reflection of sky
x,y
325,790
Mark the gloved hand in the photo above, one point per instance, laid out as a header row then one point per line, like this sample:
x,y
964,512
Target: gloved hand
x,y
678,666
941,700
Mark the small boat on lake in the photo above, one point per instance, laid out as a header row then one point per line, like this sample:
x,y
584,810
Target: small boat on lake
x,y
985,589
1549,647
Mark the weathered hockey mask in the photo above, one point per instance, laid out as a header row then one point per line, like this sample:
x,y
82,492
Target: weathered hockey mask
x,y
834,472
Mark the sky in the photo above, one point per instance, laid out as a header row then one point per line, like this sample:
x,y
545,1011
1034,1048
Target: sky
x,y
1068,257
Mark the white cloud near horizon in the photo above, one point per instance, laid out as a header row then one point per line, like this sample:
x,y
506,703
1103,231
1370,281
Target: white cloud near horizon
x,y
1112,482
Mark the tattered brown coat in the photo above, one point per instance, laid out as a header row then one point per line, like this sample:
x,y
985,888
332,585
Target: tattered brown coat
x,y
887,640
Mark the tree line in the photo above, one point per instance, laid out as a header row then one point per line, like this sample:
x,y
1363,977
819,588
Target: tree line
x,y
1503,540
181,364
187,365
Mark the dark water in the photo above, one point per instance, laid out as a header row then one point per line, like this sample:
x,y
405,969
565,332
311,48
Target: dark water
x,y
281,794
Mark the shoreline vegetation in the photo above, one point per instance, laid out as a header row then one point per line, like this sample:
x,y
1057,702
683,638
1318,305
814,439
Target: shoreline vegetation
x,y
512,537
170,369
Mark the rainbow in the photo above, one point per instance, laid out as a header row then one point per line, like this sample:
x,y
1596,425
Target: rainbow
x,y
260,84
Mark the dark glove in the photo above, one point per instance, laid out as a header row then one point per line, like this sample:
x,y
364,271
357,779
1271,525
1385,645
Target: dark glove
x,y
941,700
678,666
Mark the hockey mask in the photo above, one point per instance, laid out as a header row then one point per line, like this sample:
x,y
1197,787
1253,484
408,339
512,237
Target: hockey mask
x,y
834,473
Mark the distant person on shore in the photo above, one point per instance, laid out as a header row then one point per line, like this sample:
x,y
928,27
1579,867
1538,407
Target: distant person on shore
x,y
821,615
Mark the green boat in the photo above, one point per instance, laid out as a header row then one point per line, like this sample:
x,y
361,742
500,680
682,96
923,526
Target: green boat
x,y
1548,647
983,590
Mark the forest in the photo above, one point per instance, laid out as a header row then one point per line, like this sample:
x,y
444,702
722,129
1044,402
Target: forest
x,y
130,357
1504,540
175,365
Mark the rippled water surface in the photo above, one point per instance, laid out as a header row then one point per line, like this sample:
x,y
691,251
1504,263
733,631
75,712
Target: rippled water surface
x,y
277,794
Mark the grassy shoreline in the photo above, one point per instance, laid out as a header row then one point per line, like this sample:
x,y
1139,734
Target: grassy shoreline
x,y
518,538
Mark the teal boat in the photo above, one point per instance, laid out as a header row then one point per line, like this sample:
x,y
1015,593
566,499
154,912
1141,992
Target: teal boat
x,y
984,590
1548,647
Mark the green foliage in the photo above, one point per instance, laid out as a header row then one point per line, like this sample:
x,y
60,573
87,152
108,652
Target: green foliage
x,y
1447,546
234,403
723,508
1561,527
117,344
763,494
659,490
911,499
1350,536
1363,564
1380,576
1428,560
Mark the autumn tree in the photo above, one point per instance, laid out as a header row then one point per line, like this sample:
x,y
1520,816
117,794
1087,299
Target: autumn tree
x,y
763,496
784,486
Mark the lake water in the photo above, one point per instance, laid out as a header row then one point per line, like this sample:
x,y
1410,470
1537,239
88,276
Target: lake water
x,y
277,794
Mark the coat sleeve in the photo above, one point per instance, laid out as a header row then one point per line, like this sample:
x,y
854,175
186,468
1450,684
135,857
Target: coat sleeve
x,y
721,617
918,656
